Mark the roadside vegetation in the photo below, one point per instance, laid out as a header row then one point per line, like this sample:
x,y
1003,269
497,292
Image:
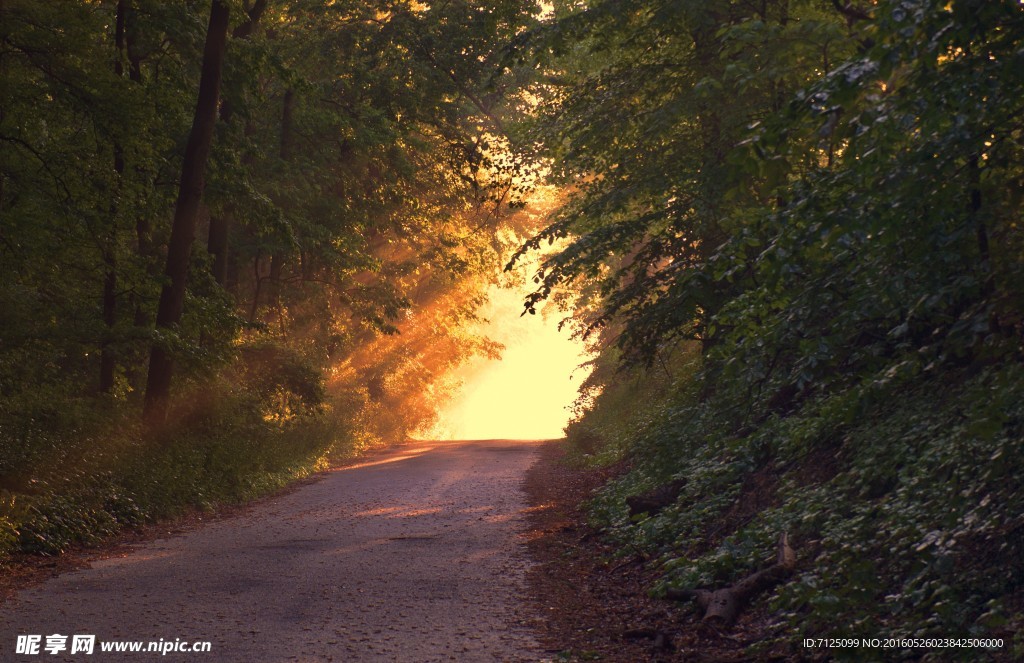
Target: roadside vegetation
x,y
796,231
238,239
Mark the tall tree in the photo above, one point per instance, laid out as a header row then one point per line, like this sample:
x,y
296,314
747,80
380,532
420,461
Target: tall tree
x,y
186,213
642,110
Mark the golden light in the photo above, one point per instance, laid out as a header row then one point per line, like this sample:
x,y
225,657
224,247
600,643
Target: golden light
x,y
526,394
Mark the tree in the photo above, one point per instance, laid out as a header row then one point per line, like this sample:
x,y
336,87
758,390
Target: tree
x,y
353,167
186,212
642,123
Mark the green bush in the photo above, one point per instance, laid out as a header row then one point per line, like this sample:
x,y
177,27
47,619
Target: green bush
x,y
898,494
76,474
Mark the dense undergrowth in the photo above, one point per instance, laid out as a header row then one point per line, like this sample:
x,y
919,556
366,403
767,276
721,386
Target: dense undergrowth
x,y
900,497
77,470
795,227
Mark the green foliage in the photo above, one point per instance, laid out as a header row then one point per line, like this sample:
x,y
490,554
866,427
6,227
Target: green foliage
x,y
357,163
97,473
278,374
644,127
358,175
828,200
614,407
905,520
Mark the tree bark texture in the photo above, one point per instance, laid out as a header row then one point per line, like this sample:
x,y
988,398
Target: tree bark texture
x,y
186,212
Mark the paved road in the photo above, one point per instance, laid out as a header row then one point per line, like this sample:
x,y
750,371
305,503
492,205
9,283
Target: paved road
x,y
413,555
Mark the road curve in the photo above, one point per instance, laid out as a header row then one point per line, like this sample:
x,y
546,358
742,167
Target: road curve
x,y
413,555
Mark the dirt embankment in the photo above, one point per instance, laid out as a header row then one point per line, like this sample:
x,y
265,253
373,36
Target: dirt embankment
x,y
596,604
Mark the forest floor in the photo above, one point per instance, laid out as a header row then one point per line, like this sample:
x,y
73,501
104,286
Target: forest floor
x,y
596,603
412,554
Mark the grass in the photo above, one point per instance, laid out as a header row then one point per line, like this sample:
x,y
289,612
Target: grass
x,y
77,474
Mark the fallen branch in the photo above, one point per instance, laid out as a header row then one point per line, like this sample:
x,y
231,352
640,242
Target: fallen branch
x,y
721,607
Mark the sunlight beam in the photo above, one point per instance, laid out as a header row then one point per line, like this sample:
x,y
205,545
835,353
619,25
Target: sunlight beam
x,y
527,393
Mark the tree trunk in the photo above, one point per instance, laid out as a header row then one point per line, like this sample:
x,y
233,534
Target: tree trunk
x,y
244,30
278,258
144,244
721,607
232,278
220,224
142,230
136,373
258,285
306,268
108,362
274,292
186,212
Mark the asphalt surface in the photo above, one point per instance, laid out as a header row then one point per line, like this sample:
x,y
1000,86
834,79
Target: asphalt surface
x,y
413,555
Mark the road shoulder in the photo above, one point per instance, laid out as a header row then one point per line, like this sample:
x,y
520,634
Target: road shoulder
x,y
593,607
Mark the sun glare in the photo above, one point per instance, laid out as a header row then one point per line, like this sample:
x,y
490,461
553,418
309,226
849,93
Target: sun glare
x,y
527,393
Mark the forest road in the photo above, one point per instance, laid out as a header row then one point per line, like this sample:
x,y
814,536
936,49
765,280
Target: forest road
x,y
414,554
